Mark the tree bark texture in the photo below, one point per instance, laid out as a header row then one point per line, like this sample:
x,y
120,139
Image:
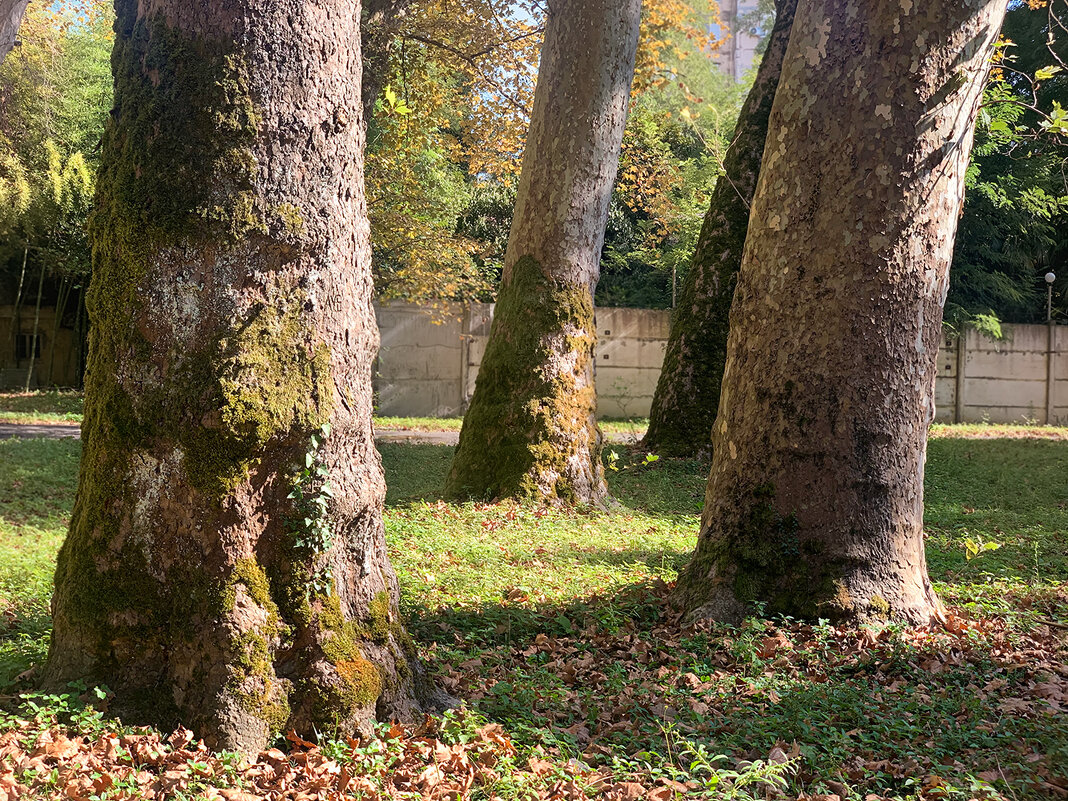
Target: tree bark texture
x,y
814,505
687,392
11,12
225,566
531,429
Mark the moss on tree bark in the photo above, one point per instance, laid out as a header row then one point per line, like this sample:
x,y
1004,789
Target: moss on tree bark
x,y
232,321
687,391
814,505
531,430
537,405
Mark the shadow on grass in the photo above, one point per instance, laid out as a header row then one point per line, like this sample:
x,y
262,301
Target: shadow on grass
x,y
619,670
667,486
38,479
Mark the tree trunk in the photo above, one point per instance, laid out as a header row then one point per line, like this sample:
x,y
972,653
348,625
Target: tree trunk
x,y
381,19
11,12
687,393
36,330
225,566
531,429
79,344
61,307
814,505
16,317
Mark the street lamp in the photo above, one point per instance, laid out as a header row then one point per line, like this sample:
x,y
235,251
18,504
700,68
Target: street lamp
x,y
1050,278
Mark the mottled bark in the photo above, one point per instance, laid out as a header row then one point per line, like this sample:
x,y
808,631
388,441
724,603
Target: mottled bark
x,y
11,12
531,429
687,393
232,321
815,498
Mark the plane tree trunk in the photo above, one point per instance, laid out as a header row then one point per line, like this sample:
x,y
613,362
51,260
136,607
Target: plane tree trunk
x,y
814,505
531,430
225,566
687,392
11,12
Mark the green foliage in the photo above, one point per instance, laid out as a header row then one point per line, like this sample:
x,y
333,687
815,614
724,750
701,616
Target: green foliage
x,y
1015,218
56,91
310,526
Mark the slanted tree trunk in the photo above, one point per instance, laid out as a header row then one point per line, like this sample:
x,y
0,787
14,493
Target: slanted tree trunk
x,y
11,12
61,306
687,392
36,330
225,566
531,429
381,20
815,499
16,317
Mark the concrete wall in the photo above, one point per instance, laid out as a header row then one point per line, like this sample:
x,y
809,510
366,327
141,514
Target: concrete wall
x,y
429,360
1023,377
430,357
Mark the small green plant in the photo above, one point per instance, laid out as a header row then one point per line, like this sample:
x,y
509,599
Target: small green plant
x,y
311,495
976,548
74,708
612,461
748,782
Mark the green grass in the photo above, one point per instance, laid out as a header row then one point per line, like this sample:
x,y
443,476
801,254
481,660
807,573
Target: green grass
x,y
553,623
609,425
56,406
65,406
38,478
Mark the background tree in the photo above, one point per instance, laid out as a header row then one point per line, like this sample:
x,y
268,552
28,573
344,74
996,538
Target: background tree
x,y
55,92
225,565
687,393
463,78
531,430
1015,220
814,505
11,12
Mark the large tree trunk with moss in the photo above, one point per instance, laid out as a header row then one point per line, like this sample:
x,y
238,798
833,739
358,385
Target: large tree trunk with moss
x,y
11,12
225,566
531,430
687,392
814,505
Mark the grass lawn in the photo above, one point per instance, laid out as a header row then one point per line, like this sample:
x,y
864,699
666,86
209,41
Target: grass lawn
x,y
553,624
57,406
65,406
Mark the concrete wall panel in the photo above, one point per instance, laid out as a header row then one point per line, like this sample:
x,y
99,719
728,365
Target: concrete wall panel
x,y
1005,364
429,363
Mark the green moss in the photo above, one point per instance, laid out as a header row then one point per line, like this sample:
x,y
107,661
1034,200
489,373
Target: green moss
x,y
520,433
254,684
764,561
345,635
291,218
379,626
263,384
879,605
363,682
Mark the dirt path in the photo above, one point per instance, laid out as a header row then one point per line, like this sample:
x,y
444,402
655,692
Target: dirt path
x,y
73,430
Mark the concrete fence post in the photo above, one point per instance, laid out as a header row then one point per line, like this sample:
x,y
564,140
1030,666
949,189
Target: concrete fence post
x,y
1051,372
958,394
465,357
